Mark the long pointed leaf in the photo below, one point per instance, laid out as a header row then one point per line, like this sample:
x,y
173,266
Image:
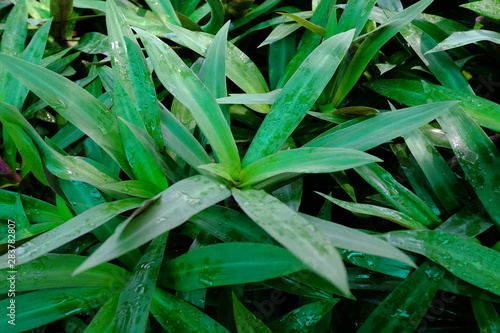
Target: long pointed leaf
x,y
166,211
310,160
469,261
73,102
230,263
191,92
77,226
297,97
295,233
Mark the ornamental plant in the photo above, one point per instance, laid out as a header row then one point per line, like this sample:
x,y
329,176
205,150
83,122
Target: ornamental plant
x,y
166,167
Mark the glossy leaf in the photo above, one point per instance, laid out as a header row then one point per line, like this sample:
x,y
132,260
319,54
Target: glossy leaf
x,y
462,38
385,213
230,225
477,155
45,306
280,32
55,271
239,67
190,91
310,160
381,128
103,320
397,195
132,309
371,45
355,15
158,215
176,315
404,308
487,8
303,318
409,92
348,238
467,260
178,138
266,98
131,71
246,321
486,316
297,97
73,102
214,75
230,263
77,226
439,174
311,26
295,233
141,161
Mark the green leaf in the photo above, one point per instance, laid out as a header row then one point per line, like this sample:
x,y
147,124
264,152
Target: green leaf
x,y
239,67
467,260
214,75
478,157
348,238
441,178
230,263
468,222
158,215
164,10
133,306
65,167
397,195
422,39
297,97
131,71
295,233
46,306
355,15
303,160
371,45
33,53
143,164
255,12
103,320
409,92
246,321
73,102
135,188
176,315
266,98
309,40
461,38
27,149
190,91
280,32
385,213
230,225
13,39
54,271
217,14
178,138
72,229
311,26
304,318
486,316
36,210
487,8
405,307
381,128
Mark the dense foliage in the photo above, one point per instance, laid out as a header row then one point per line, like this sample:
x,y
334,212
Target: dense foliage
x,y
249,166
